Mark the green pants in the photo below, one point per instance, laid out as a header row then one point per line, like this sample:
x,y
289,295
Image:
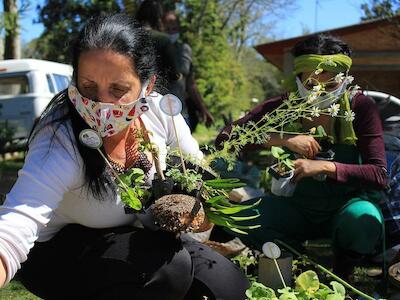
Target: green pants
x,y
356,226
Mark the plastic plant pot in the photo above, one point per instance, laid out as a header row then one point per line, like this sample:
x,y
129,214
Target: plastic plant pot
x,y
281,185
325,155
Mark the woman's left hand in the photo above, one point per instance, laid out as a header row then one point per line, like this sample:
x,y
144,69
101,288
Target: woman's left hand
x,y
309,168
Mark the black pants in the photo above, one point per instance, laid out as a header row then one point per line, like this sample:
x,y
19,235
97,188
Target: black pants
x,y
128,263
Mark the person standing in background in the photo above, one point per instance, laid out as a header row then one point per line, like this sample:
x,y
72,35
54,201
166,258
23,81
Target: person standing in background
x,y
185,87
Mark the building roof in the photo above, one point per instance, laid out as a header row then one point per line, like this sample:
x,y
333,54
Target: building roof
x,y
374,43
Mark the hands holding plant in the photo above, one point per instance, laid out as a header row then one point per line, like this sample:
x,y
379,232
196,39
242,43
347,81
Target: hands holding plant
x,y
302,144
309,168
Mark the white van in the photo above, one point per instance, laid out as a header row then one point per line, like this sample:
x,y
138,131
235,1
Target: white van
x,y
26,87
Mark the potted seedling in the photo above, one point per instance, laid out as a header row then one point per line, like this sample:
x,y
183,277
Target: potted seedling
x,y
282,172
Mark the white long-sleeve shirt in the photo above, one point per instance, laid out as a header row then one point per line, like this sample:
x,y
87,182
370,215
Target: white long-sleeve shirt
x,y
50,191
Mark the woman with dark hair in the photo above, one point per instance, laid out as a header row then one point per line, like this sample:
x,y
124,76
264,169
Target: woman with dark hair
x,y
342,206
64,224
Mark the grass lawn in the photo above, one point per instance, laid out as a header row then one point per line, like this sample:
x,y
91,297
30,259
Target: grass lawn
x,y
16,291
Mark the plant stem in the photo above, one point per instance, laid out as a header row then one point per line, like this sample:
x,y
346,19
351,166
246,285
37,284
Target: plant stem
x,y
323,269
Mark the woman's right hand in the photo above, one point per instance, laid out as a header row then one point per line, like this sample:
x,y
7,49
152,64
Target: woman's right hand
x,y
303,144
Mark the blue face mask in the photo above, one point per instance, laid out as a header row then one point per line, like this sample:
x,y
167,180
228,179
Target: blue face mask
x,y
173,37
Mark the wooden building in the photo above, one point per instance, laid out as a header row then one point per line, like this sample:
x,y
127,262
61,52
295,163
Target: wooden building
x,y
376,53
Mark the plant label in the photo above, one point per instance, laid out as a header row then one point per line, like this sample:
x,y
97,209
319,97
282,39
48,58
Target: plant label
x,y
90,139
170,105
271,250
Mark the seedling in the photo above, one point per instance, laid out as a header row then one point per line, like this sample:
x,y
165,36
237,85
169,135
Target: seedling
x,y
284,164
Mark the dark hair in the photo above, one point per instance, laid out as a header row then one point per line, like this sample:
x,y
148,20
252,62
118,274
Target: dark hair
x,y
321,44
151,12
121,34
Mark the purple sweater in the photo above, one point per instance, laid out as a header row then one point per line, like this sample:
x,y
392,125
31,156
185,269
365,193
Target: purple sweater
x,y
368,128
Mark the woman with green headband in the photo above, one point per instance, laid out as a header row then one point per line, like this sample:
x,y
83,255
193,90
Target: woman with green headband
x,y
341,207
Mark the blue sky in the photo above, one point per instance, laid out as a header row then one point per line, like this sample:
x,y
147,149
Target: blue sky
x,y
330,14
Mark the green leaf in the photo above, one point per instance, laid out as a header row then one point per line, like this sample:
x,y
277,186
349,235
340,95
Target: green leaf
x,y
289,163
228,183
245,218
130,198
321,131
338,288
231,210
277,151
335,297
258,291
215,199
307,281
284,156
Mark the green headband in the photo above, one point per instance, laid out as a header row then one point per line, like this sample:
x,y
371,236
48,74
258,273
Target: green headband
x,y
332,63
335,63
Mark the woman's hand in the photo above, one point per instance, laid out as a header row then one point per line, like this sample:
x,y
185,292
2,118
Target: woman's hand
x,y
309,168
303,144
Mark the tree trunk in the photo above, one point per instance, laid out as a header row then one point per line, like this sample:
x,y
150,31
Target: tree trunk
x,y
12,43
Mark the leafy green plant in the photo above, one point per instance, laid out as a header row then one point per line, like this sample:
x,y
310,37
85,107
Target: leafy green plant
x,y
244,260
189,181
284,163
307,286
214,193
131,188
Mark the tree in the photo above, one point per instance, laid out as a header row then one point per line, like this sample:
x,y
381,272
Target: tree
x,y
62,20
220,77
12,44
246,19
377,9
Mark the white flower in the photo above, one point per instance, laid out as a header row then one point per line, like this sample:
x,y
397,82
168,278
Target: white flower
x,y
354,90
315,111
349,116
339,77
317,88
334,109
311,98
349,79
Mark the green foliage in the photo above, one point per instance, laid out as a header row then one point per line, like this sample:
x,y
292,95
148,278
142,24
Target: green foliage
x,y
307,287
220,77
62,20
284,163
218,208
377,9
244,260
188,181
258,291
131,188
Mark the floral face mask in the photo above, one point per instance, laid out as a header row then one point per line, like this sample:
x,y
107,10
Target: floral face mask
x,y
107,118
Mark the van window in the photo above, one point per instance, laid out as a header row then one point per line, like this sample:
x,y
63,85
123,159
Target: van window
x,y
14,85
50,83
62,82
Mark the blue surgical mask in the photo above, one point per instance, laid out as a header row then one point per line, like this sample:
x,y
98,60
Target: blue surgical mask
x,y
327,98
173,37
